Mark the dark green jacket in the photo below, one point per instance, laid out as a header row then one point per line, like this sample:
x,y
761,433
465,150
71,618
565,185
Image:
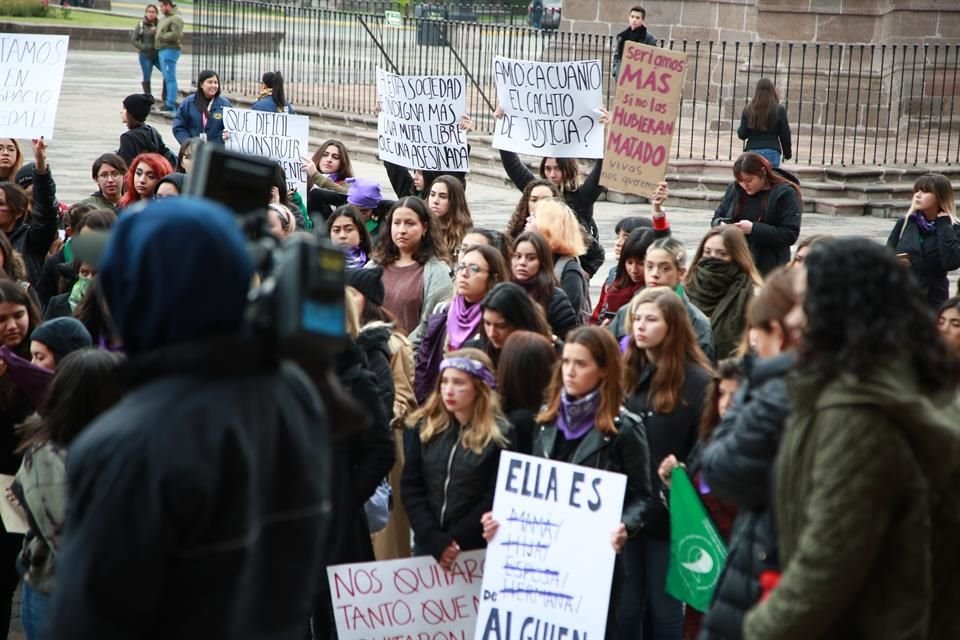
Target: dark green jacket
x,y
859,473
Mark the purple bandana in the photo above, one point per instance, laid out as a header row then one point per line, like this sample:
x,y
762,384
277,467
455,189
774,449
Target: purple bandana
x,y
926,226
471,367
576,417
462,321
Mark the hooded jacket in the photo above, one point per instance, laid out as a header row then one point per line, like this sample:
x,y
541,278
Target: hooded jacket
x,y
194,492
861,475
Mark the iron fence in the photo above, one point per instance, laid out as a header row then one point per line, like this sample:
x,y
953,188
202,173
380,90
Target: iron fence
x,y
848,104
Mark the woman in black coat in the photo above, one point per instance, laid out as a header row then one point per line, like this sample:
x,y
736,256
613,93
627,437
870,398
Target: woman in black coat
x,y
532,269
31,239
928,237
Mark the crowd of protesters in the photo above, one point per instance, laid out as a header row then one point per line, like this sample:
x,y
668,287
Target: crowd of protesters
x,y
809,386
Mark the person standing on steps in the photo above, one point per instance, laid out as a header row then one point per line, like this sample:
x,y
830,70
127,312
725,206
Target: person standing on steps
x,y
143,39
635,32
169,40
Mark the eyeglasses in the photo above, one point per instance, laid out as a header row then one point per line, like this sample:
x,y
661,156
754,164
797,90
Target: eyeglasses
x,y
472,269
112,175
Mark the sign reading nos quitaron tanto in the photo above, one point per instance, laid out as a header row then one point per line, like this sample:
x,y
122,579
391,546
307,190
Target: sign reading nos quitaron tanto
x,y
641,124
31,72
550,565
550,108
418,126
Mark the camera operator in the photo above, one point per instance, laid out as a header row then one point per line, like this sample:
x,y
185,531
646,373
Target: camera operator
x,y
198,502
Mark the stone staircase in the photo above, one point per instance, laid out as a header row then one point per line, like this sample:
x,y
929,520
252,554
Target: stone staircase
x,y
882,191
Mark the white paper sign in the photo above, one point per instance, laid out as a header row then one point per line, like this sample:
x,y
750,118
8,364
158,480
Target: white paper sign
x,y
550,109
550,565
409,598
419,122
31,72
278,136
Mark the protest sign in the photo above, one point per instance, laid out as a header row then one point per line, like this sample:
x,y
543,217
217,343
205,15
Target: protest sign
x,y
409,598
31,70
279,136
418,126
641,124
550,565
551,109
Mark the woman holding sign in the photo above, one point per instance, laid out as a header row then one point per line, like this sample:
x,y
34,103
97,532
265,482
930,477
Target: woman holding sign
x,y
584,423
202,113
450,472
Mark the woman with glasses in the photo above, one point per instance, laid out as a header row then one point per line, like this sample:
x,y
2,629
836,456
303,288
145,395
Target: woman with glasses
x,y
478,269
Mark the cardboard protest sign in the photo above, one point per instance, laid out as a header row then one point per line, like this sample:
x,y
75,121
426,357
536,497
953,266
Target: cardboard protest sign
x,y
551,109
279,136
549,568
31,72
641,124
409,598
418,126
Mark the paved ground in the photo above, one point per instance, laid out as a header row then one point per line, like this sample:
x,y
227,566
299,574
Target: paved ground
x,y
88,123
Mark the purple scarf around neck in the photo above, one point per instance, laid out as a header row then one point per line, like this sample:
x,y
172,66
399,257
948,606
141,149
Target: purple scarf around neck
x,y
463,321
576,417
926,226
355,257
335,176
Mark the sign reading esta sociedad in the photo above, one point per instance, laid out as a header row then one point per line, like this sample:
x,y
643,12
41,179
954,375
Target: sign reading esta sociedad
x,y
641,125
31,72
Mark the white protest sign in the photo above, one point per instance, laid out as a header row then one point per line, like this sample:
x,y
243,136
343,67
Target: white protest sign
x,y
549,568
31,72
419,122
410,598
550,109
278,136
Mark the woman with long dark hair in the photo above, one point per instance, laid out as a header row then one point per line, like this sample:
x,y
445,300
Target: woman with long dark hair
x,y
507,308
535,191
31,234
448,202
86,384
629,277
201,114
523,378
765,206
865,484
532,269
272,97
927,238
764,126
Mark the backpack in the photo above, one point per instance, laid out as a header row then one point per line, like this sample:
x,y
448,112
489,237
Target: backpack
x,y
585,312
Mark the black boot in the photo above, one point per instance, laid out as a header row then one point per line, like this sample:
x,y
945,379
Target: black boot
x,y
146,88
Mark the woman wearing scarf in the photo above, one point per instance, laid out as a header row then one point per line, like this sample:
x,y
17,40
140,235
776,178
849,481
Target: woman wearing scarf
x,y
584,423
721,281
667,378
928,237
450,473
348,232
479,269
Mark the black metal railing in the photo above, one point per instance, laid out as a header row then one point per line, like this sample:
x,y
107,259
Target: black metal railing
x,y
847,104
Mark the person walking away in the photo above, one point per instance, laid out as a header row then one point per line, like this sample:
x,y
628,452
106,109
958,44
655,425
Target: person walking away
x,y
169,41
143,38
764,125
636,31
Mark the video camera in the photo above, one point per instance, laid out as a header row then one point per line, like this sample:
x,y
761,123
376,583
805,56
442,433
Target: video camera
x,y
298,307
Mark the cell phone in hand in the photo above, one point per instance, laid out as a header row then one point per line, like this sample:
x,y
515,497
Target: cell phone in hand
x,y
725,220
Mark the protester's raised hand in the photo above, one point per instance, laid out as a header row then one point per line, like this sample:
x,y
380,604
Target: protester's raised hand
x,y
619,537
274,195
666,468
466,123
40,154
498,112
490,526
604,116
377,108
310,167
660,195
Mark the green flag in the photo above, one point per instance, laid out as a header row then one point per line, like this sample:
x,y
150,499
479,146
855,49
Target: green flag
x,y
697,553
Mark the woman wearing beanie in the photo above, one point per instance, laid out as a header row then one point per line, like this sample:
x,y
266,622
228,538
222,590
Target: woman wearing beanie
x,y
139,136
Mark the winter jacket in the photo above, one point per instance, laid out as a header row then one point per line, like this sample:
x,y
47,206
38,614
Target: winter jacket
x,y
267,103
620,326
431,351
561,315
15,406
625,452
860,479
932,255
97,200
41,488
142,38
32,239
641,36
775,214
170,31
722,291
738,465
672,433
446,488
215,464
374,341
776,136
402,181
188,121
575,283
143,139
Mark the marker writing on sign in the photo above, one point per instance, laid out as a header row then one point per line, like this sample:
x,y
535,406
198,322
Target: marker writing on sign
x,y
531,479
